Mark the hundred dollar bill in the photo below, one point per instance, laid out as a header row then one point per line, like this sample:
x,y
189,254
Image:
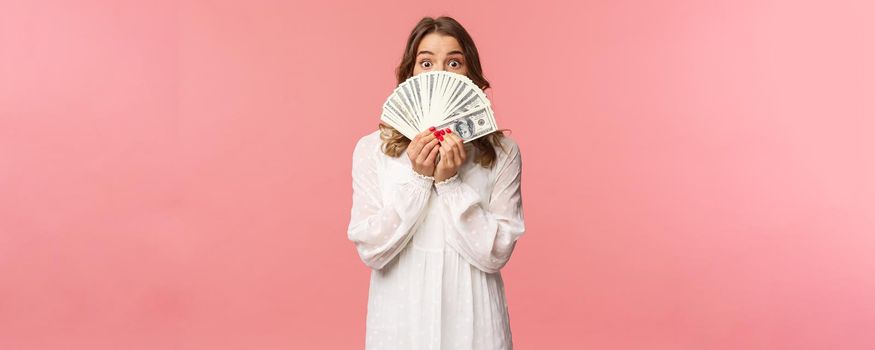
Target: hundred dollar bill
x,y
472,102
396,104
472,125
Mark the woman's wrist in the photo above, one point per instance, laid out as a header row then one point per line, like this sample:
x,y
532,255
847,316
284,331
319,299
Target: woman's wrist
x,y
439,176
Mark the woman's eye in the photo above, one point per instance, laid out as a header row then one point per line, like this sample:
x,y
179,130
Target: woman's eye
x,y
425,64
455,64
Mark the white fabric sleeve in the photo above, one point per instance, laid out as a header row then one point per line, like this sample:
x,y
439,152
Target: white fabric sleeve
x,y
380,228
485,235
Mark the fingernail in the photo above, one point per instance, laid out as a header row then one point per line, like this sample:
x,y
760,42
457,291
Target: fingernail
x,y
440,137
437,133
443,132
449,131
431,129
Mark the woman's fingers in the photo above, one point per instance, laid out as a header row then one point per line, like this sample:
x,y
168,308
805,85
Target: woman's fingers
x,y
452,156
457,155
427,139
443,153
419,142
415,145
461,145
426,151
457,148
448,154
433,154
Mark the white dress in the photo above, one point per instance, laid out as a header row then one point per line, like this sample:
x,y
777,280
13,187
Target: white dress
x,y
435,249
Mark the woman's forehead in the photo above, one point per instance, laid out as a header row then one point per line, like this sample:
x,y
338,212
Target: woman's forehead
x,y
437,44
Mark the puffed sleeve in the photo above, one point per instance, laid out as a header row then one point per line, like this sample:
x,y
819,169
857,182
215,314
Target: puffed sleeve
x,y
485,235
381,227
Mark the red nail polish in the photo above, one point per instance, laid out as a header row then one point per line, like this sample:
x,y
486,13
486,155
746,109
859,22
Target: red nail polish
x,y
449,131
440,137
443,132
437,133
431,129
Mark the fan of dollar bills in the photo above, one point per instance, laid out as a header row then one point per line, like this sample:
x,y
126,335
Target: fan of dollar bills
x,y
440,99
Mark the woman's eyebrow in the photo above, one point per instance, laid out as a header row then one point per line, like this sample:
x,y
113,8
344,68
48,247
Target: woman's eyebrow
x,y
454,52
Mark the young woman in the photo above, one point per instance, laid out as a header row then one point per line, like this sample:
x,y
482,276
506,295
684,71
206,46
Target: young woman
x,y
438,223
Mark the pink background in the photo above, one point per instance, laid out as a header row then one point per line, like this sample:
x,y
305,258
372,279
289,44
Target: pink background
x,y
697,174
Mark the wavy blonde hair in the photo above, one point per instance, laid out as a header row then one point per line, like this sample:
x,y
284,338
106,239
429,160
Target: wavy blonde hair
x,y
394,142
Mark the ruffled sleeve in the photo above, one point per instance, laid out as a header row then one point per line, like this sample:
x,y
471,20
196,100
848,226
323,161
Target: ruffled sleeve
x,y
485,235
381,227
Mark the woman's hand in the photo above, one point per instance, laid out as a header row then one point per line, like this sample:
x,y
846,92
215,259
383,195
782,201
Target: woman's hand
x,y
452,151
422,152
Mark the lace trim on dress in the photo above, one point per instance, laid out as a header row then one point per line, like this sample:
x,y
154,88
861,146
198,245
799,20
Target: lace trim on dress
x,y
423,176
444,182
